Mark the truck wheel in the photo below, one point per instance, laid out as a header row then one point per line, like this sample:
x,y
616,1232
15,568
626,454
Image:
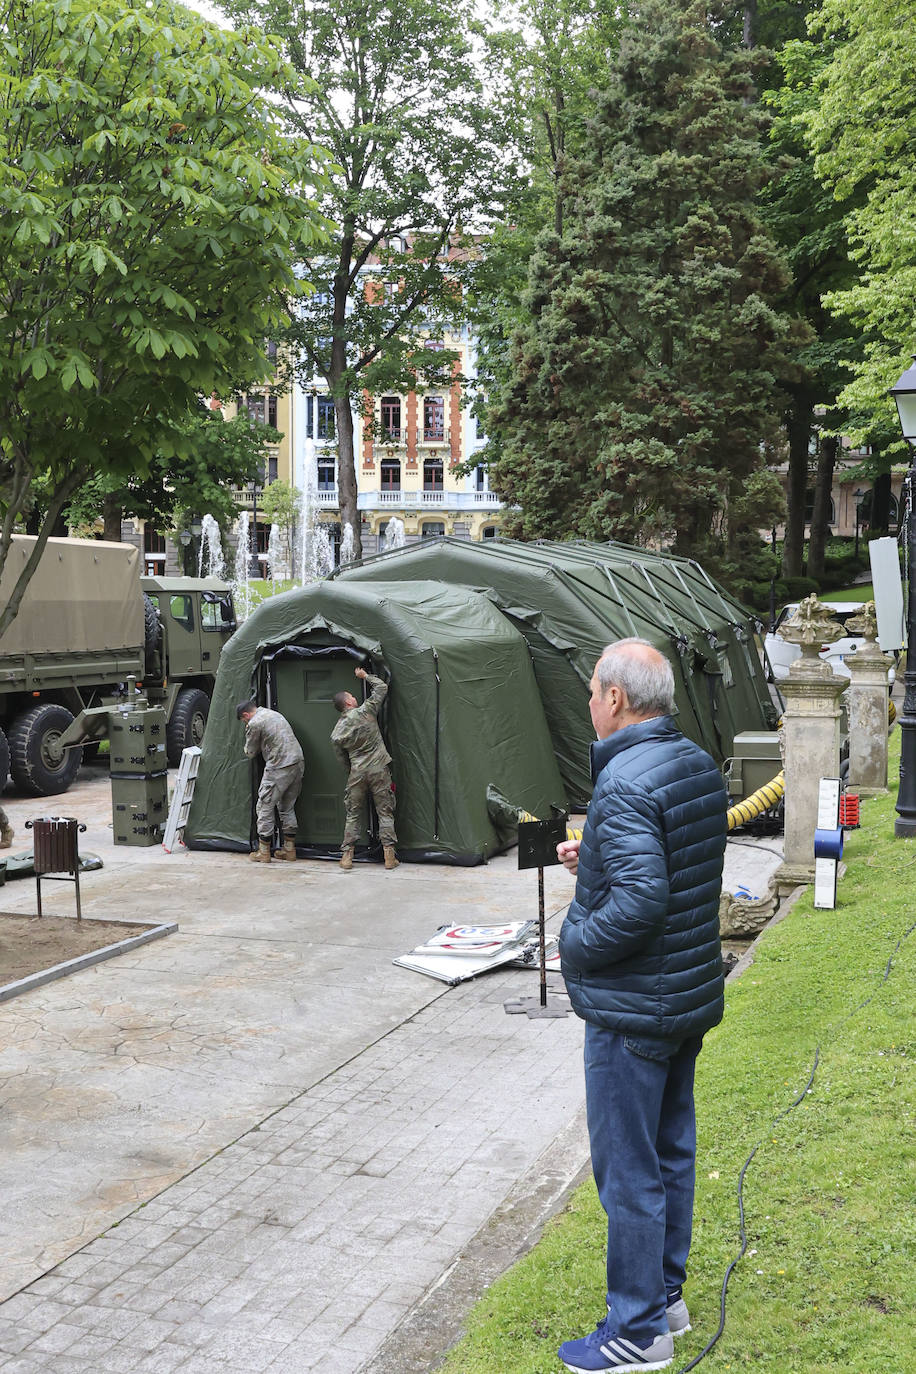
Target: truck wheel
x,y
38,765
152,632
186,726
4,761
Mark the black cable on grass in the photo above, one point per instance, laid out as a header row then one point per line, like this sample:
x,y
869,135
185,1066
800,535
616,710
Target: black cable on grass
x,y
785,1112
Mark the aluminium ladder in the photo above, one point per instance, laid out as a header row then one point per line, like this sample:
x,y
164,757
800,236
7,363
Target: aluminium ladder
x,y
181,797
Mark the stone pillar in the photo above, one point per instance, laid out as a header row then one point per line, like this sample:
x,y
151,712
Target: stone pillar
x,y
866,707
811,734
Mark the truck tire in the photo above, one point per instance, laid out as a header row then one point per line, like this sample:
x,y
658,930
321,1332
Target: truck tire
x,y
152,634
35,768
4,760
186,726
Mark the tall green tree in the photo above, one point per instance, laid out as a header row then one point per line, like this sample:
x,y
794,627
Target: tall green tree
x,y
218,456
397,96
151,211
861,126
809,226
643,388
544,60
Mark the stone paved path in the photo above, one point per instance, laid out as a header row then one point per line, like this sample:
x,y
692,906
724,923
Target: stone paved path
x,y
302,1245
316,1136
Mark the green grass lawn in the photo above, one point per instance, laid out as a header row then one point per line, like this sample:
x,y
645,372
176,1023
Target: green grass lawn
x,y
864,591
830,1196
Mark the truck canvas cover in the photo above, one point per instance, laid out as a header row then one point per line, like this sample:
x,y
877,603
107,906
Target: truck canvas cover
x,y
74,604
463,716
571,599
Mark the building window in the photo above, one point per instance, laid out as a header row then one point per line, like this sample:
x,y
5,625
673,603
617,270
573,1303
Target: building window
x,y
489,531
262,409
391,474
432,528
433,419
153,551
391,419
326,475
325,425
432,474
480,478
271,350
272,467
809,509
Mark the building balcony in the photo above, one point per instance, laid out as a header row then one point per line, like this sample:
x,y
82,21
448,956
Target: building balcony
x,y
326,496
427,500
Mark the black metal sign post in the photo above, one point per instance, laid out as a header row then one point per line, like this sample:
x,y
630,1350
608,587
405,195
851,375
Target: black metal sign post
x,y
537,848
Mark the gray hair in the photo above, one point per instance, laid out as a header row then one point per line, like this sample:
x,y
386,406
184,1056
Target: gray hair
x,y
647,679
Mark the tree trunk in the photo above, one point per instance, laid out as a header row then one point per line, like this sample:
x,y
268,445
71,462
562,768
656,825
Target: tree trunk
x,y
799,430
750,15
346,472
820,516
111,520
347,488
880,514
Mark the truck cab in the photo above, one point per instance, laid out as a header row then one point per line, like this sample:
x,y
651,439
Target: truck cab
x,y
194,617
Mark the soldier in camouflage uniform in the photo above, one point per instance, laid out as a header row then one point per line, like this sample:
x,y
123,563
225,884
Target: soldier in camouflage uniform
x,y
358,744
270,734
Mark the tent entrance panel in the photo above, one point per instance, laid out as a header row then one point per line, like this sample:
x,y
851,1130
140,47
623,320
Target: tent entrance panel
x,y
303,690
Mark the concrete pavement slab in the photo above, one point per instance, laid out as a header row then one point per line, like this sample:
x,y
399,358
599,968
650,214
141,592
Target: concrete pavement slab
x,y
261,1127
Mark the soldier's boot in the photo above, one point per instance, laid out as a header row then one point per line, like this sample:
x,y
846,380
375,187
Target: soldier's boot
x,y
6,837
288,852
346,858
261,855
390,860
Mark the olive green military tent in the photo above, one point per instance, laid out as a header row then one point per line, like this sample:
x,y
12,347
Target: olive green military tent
x,y
463,717
570,599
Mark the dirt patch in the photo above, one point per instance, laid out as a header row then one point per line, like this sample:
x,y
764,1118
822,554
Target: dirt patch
x,y
29,944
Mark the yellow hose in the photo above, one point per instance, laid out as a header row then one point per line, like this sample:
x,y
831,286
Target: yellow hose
x,y
762,800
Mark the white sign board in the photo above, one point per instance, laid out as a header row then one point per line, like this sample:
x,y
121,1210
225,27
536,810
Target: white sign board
x,y
828,819
888,585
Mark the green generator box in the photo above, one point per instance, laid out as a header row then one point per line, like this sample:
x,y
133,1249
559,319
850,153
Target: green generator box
x,y
138,741
139,808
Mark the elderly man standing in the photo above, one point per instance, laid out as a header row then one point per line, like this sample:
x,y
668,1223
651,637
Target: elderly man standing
x,y
271,735
641,957
358,744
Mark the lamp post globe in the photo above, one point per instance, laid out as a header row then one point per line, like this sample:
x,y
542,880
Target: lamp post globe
x,y
904,393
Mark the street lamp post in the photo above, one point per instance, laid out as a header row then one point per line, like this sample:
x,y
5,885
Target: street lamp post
x,y
904,393
184,540
857,496
196,528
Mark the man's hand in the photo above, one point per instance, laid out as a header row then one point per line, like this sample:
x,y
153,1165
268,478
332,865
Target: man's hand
x,y
568,854
360,672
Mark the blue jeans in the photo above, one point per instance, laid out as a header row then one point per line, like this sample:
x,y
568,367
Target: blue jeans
x,y
642,1132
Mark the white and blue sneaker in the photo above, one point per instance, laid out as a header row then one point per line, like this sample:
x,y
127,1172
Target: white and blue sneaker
x,y
677,1314
604,1352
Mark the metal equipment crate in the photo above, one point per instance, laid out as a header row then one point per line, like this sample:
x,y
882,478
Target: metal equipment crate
x,y
137,741
140,806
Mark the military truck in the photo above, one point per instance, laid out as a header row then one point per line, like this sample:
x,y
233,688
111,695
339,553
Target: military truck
x,y
88,621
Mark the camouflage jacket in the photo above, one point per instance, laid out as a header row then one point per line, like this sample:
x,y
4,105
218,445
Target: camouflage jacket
x,y
356,737
271,734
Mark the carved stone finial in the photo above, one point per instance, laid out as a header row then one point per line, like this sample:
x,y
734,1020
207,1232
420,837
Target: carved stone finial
x,y
811,625
865,623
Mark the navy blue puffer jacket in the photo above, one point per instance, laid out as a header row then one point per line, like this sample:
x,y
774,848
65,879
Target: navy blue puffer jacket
x,y
640,944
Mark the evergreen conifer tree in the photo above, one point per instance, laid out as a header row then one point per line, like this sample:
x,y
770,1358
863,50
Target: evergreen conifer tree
x,y
642,389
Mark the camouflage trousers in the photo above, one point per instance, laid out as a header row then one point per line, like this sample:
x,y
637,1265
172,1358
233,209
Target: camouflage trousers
x,y
378,782
279,792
